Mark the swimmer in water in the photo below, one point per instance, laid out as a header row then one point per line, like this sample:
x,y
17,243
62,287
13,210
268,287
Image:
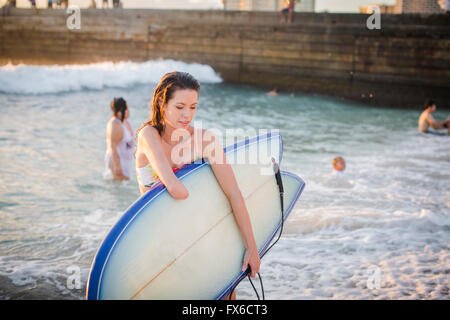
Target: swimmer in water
x,y
274,92
426,120
338,165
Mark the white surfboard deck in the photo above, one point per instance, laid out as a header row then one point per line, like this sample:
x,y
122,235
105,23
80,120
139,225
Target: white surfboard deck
x,y
162,248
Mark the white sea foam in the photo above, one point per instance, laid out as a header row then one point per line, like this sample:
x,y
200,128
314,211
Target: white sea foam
x,y
31,79
388,217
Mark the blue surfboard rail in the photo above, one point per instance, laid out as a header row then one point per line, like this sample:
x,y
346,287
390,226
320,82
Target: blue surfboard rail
x,y
101,257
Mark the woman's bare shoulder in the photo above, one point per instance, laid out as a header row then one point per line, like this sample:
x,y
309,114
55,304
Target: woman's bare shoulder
x,y
149,133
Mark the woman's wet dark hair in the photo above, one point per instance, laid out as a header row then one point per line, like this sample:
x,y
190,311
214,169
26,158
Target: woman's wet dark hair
x,y
164,91
119,105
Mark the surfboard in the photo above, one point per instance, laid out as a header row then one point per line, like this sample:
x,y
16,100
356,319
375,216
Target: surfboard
x,y
162,248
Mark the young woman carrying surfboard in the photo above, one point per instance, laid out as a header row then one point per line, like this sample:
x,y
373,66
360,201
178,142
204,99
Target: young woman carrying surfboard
x,y
167,141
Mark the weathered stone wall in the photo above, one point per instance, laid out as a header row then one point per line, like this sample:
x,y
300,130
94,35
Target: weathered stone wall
x,y
400,65
419,6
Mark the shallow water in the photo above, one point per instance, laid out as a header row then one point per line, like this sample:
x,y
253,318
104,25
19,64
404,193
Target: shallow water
x,y
380,231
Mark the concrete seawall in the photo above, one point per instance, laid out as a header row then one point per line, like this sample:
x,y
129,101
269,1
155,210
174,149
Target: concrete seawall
x,y
400,65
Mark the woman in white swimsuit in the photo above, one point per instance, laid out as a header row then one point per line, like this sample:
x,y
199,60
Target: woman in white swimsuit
x,y
174,106
120,138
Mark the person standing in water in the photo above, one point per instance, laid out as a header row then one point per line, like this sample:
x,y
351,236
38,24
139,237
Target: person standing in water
x,y
120,142
173,108
426,119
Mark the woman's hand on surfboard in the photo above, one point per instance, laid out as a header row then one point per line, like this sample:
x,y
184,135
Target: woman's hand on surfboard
x,y
251,258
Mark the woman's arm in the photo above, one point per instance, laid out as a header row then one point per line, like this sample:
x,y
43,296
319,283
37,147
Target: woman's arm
x,y
115,136
150,142
227,181
130,128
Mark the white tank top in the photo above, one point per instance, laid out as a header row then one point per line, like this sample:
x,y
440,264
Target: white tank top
x,y
125,149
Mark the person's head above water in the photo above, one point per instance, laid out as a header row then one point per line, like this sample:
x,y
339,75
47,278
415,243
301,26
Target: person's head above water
x,y
339,164
174,101
119,108
274,92
430,105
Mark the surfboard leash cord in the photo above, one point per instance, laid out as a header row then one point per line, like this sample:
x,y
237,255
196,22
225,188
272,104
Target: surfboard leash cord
x,y
248,271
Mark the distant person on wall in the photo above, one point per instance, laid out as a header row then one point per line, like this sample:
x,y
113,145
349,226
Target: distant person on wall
x,y
50,4
116,4
426,120
105,4
7,6
58,3
119,157
287,12
445,5
33,3
93,4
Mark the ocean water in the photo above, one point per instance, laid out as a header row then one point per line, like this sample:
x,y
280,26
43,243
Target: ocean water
x,y
380,231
